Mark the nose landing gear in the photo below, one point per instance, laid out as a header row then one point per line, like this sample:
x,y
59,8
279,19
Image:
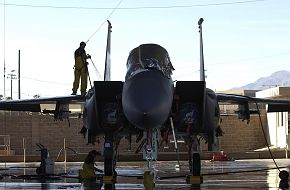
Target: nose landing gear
x,y
150,154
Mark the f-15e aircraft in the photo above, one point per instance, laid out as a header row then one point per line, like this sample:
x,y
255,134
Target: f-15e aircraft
x,y
146,104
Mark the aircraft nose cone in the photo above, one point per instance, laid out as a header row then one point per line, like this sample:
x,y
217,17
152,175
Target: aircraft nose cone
x,y
147,99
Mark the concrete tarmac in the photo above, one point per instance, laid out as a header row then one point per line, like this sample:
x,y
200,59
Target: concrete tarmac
x,y
238,174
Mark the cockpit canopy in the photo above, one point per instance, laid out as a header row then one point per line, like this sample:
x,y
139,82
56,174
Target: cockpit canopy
x,y
149,56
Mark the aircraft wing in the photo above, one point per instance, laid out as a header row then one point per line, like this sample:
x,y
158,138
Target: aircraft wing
x,y
33,105
233,98
274,105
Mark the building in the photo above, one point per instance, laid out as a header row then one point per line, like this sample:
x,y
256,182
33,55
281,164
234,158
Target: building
x,y
278,122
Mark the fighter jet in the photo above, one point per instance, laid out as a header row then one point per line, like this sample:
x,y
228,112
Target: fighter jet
x,y
148,104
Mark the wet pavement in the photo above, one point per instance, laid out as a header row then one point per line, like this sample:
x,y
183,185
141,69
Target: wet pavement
x,y
239,174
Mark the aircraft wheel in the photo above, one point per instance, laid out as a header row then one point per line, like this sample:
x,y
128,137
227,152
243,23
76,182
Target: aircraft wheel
x,y
196,165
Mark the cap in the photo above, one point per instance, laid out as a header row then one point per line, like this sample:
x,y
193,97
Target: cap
x,y
82,43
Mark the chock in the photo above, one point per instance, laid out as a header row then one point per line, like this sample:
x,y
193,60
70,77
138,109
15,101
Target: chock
x,y
195,180
109,179
148,181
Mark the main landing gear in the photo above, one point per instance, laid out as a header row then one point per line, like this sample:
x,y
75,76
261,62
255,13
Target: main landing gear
x,y
195,178
110,175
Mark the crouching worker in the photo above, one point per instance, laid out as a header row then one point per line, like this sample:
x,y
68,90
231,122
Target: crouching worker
x,y
88,173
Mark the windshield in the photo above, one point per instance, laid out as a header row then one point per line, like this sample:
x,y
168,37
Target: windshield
x,y
149,56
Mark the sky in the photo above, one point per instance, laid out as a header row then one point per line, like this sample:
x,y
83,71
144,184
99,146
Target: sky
x,y
244,40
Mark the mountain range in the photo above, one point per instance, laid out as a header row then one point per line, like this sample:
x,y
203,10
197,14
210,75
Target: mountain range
x,y
279,78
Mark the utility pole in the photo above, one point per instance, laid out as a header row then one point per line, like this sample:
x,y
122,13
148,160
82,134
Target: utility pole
x,y
19,97
11,76
4,46
4,94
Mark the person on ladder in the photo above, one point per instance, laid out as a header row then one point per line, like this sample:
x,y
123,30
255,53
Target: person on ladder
x,y
80,69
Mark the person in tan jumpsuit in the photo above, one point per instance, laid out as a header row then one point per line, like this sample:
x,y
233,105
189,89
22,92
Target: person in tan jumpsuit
x,y
80,69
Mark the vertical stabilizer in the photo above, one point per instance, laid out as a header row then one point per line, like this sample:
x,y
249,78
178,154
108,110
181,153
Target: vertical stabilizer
x,y
107,72
202,72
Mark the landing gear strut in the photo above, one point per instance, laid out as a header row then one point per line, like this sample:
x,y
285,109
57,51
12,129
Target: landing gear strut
x,y
109,177
150,154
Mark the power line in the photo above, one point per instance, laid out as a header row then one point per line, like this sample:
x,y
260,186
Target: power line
x,y
129,8
105,20
44,81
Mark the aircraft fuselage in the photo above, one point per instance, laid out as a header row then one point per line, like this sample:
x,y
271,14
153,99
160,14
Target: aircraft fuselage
x,y
148,89
147,99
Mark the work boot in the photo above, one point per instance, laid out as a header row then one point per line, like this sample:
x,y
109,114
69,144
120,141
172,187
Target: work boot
x,y
73,93
83,94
